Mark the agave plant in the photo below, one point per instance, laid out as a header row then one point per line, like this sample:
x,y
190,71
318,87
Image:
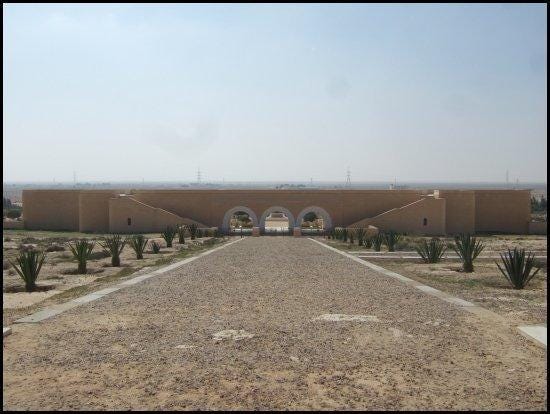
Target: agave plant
x,y
82,250
113,246
181,233
467,248
367,241
390,239
361,234
138,244
517,267
30,262
193,230
377,241
432,251
168,235
155,246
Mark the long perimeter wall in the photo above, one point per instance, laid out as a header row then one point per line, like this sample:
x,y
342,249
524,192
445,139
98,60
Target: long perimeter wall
x,y
413,211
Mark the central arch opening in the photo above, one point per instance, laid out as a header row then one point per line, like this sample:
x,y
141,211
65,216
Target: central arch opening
x,y
239,222
277,222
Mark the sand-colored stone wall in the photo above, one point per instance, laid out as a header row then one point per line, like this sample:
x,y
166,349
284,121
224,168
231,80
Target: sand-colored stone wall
x,y
464,211
425,216
51,209
506,211
460,210
94,210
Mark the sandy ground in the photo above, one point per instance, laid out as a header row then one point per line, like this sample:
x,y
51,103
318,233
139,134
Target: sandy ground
x,y
486,286
244,329
58,274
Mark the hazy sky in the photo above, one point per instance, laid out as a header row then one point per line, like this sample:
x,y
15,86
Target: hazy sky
x,y
275,92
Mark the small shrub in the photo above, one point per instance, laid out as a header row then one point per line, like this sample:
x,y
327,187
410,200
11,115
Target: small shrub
x,y
351,237
182,229
55,248
467,248
138,244
13,213
81,250
192,230
155,246
168,235
432,251
114,245
518,267
360,233
30,263
377,241
27,247
390,239
367,242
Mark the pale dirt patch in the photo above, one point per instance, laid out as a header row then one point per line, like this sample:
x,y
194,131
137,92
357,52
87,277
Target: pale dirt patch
x,y
338,317
233,334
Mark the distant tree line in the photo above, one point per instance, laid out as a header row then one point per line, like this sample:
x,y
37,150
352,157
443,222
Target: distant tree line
x,y
538,205
9,209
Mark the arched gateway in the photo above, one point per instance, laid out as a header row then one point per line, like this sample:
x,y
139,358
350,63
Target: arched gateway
x,y
277,209
231,212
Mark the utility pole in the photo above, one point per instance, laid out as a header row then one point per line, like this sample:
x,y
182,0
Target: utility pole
x,y
199,175
348,178
507,178
74,177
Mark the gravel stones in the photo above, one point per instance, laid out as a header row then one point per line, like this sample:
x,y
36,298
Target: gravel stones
x,y
120,352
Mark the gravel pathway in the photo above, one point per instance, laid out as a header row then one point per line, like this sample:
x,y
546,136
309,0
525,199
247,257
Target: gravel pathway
x,y
271,323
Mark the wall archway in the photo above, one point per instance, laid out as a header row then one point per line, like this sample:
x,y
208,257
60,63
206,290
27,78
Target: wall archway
x,y
327,221
286,211
229,213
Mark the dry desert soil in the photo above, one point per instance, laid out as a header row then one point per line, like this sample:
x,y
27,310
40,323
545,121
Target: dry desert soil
x,y
271,323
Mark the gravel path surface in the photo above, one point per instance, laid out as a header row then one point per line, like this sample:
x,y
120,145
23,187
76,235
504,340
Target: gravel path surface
x,y
247,328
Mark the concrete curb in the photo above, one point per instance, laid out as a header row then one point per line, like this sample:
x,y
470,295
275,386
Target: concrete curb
x,y
534,332
6,332
54,310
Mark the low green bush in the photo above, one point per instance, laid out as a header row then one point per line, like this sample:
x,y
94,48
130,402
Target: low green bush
x,y
432,251
28,267
390,239
155,247
113,245
138,244
467,248
168,235
518,267
81,250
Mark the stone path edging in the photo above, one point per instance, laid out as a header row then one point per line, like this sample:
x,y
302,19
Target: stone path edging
x,y
54,310
535,332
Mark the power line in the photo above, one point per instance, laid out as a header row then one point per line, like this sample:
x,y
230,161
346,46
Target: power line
x,y
199,175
